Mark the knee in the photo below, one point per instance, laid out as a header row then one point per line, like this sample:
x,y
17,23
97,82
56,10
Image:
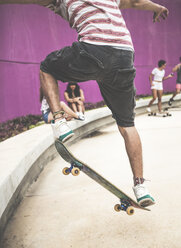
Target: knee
x,y
62,104
154,99
123,131
80,103
159,99
42,74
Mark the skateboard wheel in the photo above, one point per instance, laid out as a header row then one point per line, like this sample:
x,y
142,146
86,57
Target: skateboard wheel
x,y
66,171
75,171
130,210
117,208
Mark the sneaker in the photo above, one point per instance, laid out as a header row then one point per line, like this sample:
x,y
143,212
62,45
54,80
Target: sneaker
x,y
142,195
61,130
148,110
170,102
81,116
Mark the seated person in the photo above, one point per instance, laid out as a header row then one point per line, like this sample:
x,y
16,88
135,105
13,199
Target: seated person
x,y
75,98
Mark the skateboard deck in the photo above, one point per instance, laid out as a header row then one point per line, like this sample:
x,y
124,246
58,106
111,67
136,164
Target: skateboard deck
x,y
164,114
126,203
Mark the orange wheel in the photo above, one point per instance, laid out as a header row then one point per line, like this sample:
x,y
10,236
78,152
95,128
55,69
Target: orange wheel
x,y
117,208
75,171
66,171
130,210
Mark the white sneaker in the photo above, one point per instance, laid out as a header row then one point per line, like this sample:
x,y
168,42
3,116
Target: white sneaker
x,y
142,195
81,116
148,110
61,130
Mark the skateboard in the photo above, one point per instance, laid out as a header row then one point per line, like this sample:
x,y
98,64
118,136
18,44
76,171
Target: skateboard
x,y
164,114
76,166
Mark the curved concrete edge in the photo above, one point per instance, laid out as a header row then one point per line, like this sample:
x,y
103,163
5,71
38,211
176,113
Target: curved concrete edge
x,y
24,156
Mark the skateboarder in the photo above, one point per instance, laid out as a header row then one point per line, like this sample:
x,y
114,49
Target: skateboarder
x,y
177,69
103,53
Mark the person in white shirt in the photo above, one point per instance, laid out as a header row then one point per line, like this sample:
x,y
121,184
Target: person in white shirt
x,y
156,79
47,114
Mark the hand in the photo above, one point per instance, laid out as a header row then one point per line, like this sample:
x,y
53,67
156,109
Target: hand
x,y
76,99
162,12
171,75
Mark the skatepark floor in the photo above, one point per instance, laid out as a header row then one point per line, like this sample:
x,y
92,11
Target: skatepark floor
x,y
75,212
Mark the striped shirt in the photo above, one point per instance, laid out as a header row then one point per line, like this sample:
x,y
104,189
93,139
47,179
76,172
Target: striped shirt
x,y
97,22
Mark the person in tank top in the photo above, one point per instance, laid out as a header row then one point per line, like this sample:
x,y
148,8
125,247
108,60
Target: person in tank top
x,y
176,69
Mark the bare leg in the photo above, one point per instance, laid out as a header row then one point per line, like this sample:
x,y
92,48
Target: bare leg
x,y
80,106
134,149
74,107
154,94
68,110
50,89
38,2
175,93
160,93
50,117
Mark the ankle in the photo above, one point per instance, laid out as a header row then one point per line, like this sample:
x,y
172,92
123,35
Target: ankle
x,y
59,115
138,180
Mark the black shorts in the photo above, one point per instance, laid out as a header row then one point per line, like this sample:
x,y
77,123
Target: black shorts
x,y
112,68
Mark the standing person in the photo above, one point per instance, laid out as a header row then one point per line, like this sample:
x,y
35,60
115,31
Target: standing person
x,y
177,69
103,53
156,80
75,98
66,111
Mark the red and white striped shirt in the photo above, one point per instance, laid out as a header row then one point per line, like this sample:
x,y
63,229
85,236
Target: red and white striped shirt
x,y
97,22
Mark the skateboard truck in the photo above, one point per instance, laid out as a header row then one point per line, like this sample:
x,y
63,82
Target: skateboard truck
x,y
72,169
124,206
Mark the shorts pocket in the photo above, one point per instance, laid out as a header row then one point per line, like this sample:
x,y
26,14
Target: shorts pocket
x,y
124,78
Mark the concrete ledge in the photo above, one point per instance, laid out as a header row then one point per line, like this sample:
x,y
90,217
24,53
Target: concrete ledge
x,y
24,156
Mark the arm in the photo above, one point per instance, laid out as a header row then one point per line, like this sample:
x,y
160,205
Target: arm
x,y
67,97
167,77
175,68
82,98
151,79
159,10
39,2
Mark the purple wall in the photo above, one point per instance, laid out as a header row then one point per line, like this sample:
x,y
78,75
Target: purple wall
x,y
29,33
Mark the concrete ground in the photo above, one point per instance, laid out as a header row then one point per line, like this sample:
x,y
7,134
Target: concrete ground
x,y
64,211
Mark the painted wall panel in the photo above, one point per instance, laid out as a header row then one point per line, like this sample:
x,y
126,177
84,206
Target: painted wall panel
x,y
28,33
